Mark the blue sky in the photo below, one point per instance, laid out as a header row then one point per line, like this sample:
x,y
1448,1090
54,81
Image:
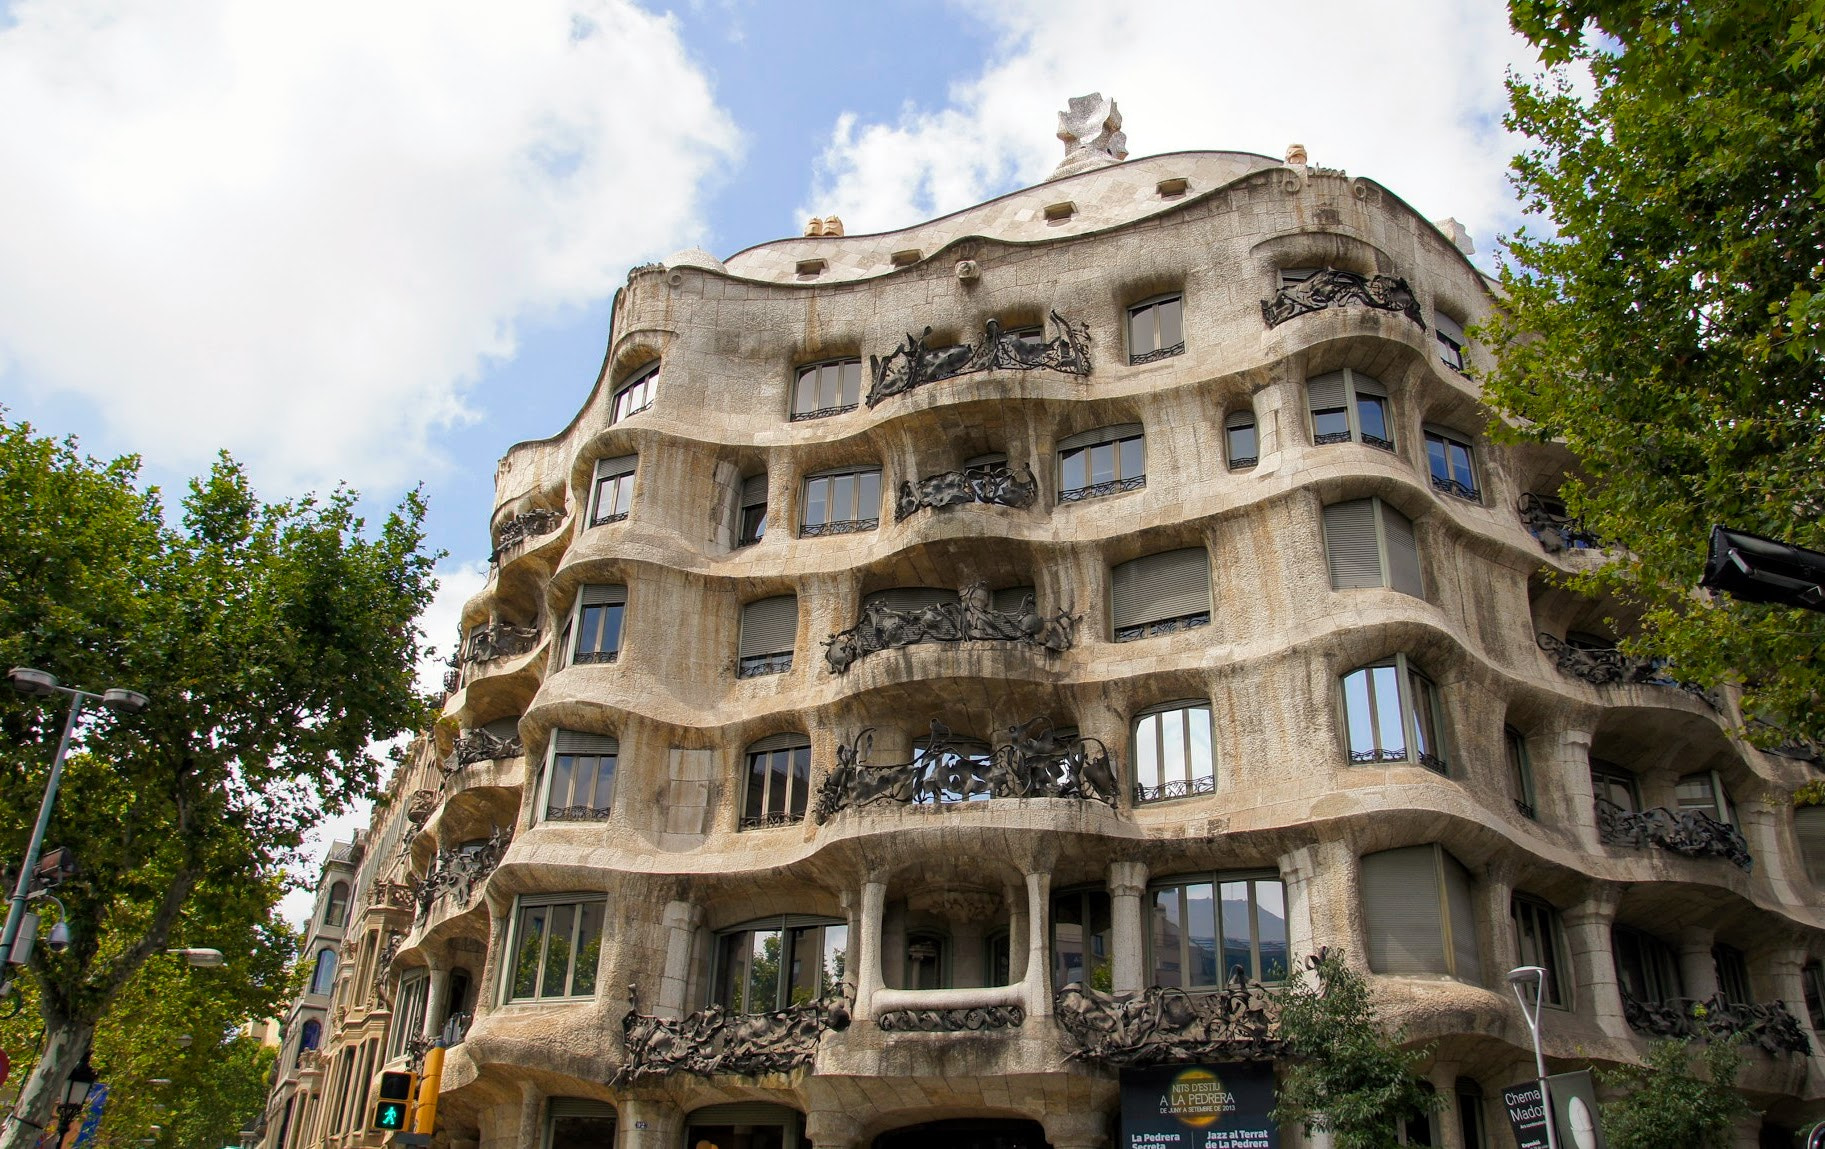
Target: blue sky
x,y
377,242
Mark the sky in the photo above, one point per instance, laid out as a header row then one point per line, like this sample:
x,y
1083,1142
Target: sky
x,y
377,242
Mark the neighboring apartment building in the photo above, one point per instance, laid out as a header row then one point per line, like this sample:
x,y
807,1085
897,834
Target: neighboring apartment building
x,y
881,739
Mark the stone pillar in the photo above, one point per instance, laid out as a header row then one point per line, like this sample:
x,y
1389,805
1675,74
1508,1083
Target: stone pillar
x,y
1127,885
833,1129
1577,806
532,1115
1587,936
647,1123
893,946
1039,964
1076,1130
1500,950
1018,929
1785,981
1697,968
1297,869
868,968
435,1005
681,920
1447,1130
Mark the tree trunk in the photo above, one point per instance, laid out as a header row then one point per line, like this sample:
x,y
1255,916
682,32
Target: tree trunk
x,y
36,1111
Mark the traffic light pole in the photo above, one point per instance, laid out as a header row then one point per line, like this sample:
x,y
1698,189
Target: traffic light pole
x,y
424,1115
15,912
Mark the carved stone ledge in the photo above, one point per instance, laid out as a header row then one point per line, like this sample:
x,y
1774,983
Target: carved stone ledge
x,y
1333,288
1769,1026
1689,833
913,365
993,483
969,619
1167,1026
718,1041
951,1020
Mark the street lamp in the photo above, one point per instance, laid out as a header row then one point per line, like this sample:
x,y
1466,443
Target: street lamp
x,y
1529,985
76,1092
40,684
199,958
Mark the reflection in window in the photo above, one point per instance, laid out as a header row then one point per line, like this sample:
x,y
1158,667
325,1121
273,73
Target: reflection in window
x,y
753,525
1082,939
1101,462
1611,783
581,779
636,394
325,974
1471,1122
1704,793
597,628
1645,965
1732,974
825,389
1241,440
1156,329
778,962
1451,464
1203,931
556,948
1391,714
779,781
1349,406
842,501
336,910
1812,986
613,495
1539,941
1172,754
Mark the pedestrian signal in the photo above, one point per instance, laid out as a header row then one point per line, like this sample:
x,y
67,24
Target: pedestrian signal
x,y
392,1110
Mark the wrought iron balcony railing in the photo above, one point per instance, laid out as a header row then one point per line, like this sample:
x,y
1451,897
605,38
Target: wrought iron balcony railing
x,y
1690,833
1768,1025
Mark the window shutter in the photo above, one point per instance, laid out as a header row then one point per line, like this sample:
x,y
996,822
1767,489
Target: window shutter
x,y
786,741
1466,958
1100,435
1327,391
1349,543
581,1107
1403,552
1166,585
620,465
1368,384
599,595
988,460
1400,904
1239,419
1449,327
1009,599
754,491
1809,828
743,1113
911,597
769,626
504,728
580,742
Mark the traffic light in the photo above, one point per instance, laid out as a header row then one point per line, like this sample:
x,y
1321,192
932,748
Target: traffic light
x,y
392,1111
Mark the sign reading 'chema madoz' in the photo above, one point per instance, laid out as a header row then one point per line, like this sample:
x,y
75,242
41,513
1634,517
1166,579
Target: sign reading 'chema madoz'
x,y
1199,1107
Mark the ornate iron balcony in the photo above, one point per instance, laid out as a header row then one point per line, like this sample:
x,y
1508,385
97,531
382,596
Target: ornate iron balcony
x,y
458,872
1168,1026
839,527
1181,788
913,364
993,483
1377,441
718,1040
1244,461
1768,1025
1162,626
1547,521
480,746
1453,487
1527,811
770,821
1097,490
588,657
1690,833
523,526
951,1020
1329,437
579,814
971,618
1155,356
499,640
822,413
1333,288
604,520
757,665
1380,754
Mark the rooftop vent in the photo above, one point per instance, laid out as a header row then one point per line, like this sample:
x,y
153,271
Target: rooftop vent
x,y
1060,212
1172,188
811,268
906,257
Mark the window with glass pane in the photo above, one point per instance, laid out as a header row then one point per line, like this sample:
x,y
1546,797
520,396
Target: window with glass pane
x,y
779,780
1732,974
556,948
1082,938
1205,929
1391,714
1520,772
1472,1124
1645,965
636,395
1812,986
825,389
1703,794
1242,442
1451,341
336,912
614,491
1450,461
1539,941
325,974
582,787
409,1012
1101,463
1611,783
1172,753
598,625
1349,406
753,525
1156,329
842,501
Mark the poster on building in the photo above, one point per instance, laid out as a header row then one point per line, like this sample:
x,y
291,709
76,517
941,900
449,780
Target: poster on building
x,y
1199,1107
1526,1114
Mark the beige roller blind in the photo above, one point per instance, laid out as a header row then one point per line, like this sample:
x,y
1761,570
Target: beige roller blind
x,y
582,742
1449,327
1166,585
769,626
785,741
1368,384
595,594
1809,828
1327,391
1403,552
620,465
1466,958
911,597
1009,599
1100,435
1402,912
581,1107
1350,544
1239,419
754,491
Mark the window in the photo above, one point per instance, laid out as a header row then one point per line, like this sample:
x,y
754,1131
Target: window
x,y
1611,783
613,493
1204,929
1241,440
1172,753
1369,543
1391,714
1348,406
825,389
1156,329
1452,464
579,1123
779,781
753,525
769,629
336,909
1645,965
596,625
1160,593
1451,341
1809,833
325,974
556,947
409,1013
1083,938
1704,793
1471,1123
1812,986
311,1035
1419,915
1540,941
1290,276
1520,772
1106,461
1732,974
636,394
779,962
580,781
839,502
955,769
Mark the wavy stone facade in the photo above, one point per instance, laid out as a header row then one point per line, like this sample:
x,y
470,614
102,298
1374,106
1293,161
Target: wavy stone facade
x,y
988,837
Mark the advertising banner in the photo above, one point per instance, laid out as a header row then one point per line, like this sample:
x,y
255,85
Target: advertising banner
x,y
1573,1111
1527,1114
1199,1107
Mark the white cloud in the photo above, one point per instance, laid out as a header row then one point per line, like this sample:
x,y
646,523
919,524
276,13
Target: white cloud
x,y
1409,94
299,230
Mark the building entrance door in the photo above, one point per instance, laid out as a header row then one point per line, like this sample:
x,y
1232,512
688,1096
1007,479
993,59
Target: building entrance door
x,y
967,1133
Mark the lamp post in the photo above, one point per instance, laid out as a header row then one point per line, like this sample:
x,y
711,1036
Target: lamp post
x,y
1533,977
75,1098
39,684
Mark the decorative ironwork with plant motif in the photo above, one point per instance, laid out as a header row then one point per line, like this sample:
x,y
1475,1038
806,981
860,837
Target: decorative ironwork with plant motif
x,y
1169,1026
989,483
480,746
719,1040
1333,288
459,871
1691,833
1768,1025
971,618
913,364
493,640
523,526
1556,530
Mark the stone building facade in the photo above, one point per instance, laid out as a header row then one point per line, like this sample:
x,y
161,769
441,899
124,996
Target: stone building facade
x,y
937,672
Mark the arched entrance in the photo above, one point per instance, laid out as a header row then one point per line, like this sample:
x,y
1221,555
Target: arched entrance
x,y
745,1125
967,1133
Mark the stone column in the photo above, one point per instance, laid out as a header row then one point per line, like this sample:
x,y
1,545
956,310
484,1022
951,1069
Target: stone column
x,y
1076,1130
1577,806
647,1123
1297,869
681,920
532,1115
1697,968
1039,964
1018,929
1447,1130
1127,885
1587,936
1500,949
1785,982
434,1000
868,967
833,1129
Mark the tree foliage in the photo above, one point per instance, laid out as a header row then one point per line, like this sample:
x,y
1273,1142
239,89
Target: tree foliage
x,y
1347,1075
1662,1104
276,642
1672,331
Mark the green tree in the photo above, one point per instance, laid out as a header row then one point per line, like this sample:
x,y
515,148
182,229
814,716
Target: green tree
x,y
1347,1074
1664,1105
1671,331
277,644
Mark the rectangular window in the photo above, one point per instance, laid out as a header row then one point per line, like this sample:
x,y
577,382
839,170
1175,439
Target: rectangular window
x,y
841,502
1348,406
1704,794
1419,913
1241,440
1203,932
1520,772
1611,783
1156,329
1452,465
1732,974
1645,966
636,394
1539,941
779,782
753,525
825,389
1172,753
580,782
1105,461
613,494
1812,985
1451,341
1370,544
1161,593
769,630
597,626
555,949
409,1014
1083,938
1391,714
779,963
